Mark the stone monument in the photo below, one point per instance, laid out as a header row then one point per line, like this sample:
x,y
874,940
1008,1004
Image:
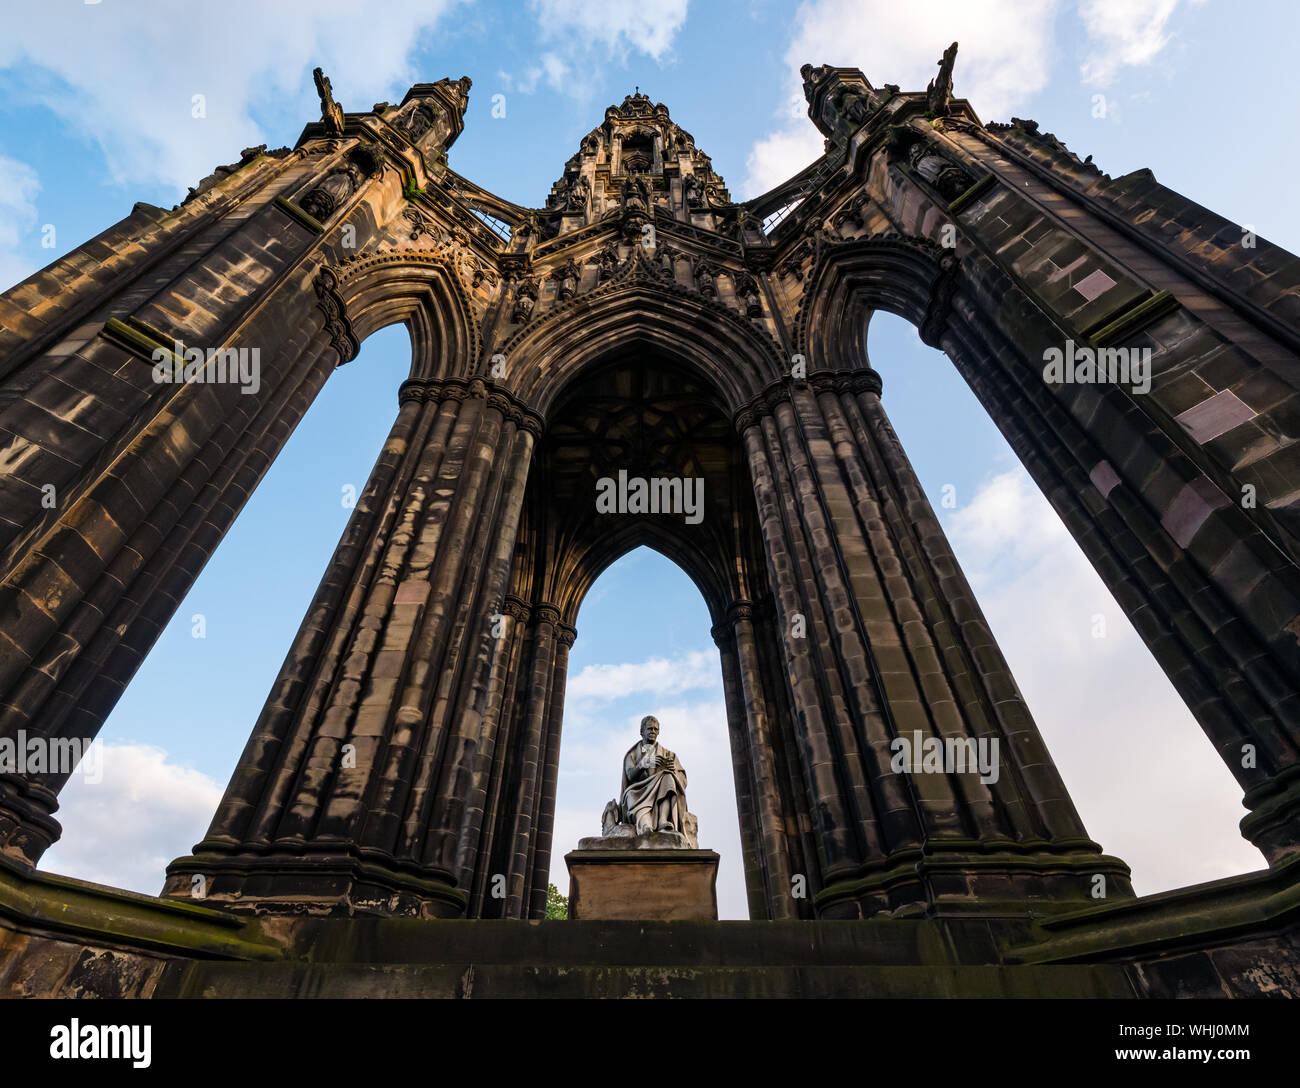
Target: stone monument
x,y
647,863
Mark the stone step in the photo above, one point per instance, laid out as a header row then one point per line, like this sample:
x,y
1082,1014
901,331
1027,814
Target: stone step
x,y
596,943
502,980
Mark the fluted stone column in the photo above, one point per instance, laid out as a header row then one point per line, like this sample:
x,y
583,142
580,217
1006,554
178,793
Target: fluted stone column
x,y
356,786
120,486
883,640
753,745
544,821
532,759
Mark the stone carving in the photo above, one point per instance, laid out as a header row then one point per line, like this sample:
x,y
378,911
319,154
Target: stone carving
x,y
578,196
812,75
525,300
741,221
530,226
924,156
337,325
638,105
567,278
705,279
534,226
636,196
852,106
939,93
330,111
416,123
573,195
747,291
339,184
668,258
637,152
635,212
421,225
693,191
607,261
854,212
222,172
950,179
840,107
652,798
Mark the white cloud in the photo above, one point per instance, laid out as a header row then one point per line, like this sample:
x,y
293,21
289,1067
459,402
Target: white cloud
x,y
695,669
780,155
1004,60
1124,33
1004,523
123,830
124,75
619,26
552,67
582,36
1148,784
19,185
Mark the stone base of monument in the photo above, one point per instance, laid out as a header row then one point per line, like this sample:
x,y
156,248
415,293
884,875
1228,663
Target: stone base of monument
x,y
649,877
68,938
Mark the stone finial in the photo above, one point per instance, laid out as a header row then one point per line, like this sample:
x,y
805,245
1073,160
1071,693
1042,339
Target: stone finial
x,y
330,111
939,93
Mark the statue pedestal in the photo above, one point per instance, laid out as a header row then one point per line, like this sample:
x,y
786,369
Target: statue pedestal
x,y
640,878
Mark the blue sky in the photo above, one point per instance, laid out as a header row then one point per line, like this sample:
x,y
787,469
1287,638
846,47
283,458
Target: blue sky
x,y
97,104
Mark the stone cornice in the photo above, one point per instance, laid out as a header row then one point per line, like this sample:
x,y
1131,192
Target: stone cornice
x,y
863,380
444,389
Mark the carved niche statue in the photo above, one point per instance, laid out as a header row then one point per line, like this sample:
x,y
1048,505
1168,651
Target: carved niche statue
x,y
652,799
329,195
573,195
525,300
607,260
416,122
706,276
693,191
635,212
747,291
567,278
635,196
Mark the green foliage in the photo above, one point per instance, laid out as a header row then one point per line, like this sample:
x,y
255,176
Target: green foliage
x,y
557,906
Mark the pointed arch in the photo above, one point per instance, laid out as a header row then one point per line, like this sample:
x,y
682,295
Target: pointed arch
x,y
420,289
731,352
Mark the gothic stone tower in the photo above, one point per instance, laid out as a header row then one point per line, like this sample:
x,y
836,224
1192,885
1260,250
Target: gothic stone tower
x,y
641,320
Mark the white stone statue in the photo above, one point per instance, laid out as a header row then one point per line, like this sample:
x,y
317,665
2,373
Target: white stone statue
x,y
652,798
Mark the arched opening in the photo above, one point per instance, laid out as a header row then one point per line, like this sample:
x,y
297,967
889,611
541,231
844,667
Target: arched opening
x,y
171,742
644,648
636,414
1147,784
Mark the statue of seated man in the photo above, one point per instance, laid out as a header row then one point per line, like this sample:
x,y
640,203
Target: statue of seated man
x,y
653,796
651,801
